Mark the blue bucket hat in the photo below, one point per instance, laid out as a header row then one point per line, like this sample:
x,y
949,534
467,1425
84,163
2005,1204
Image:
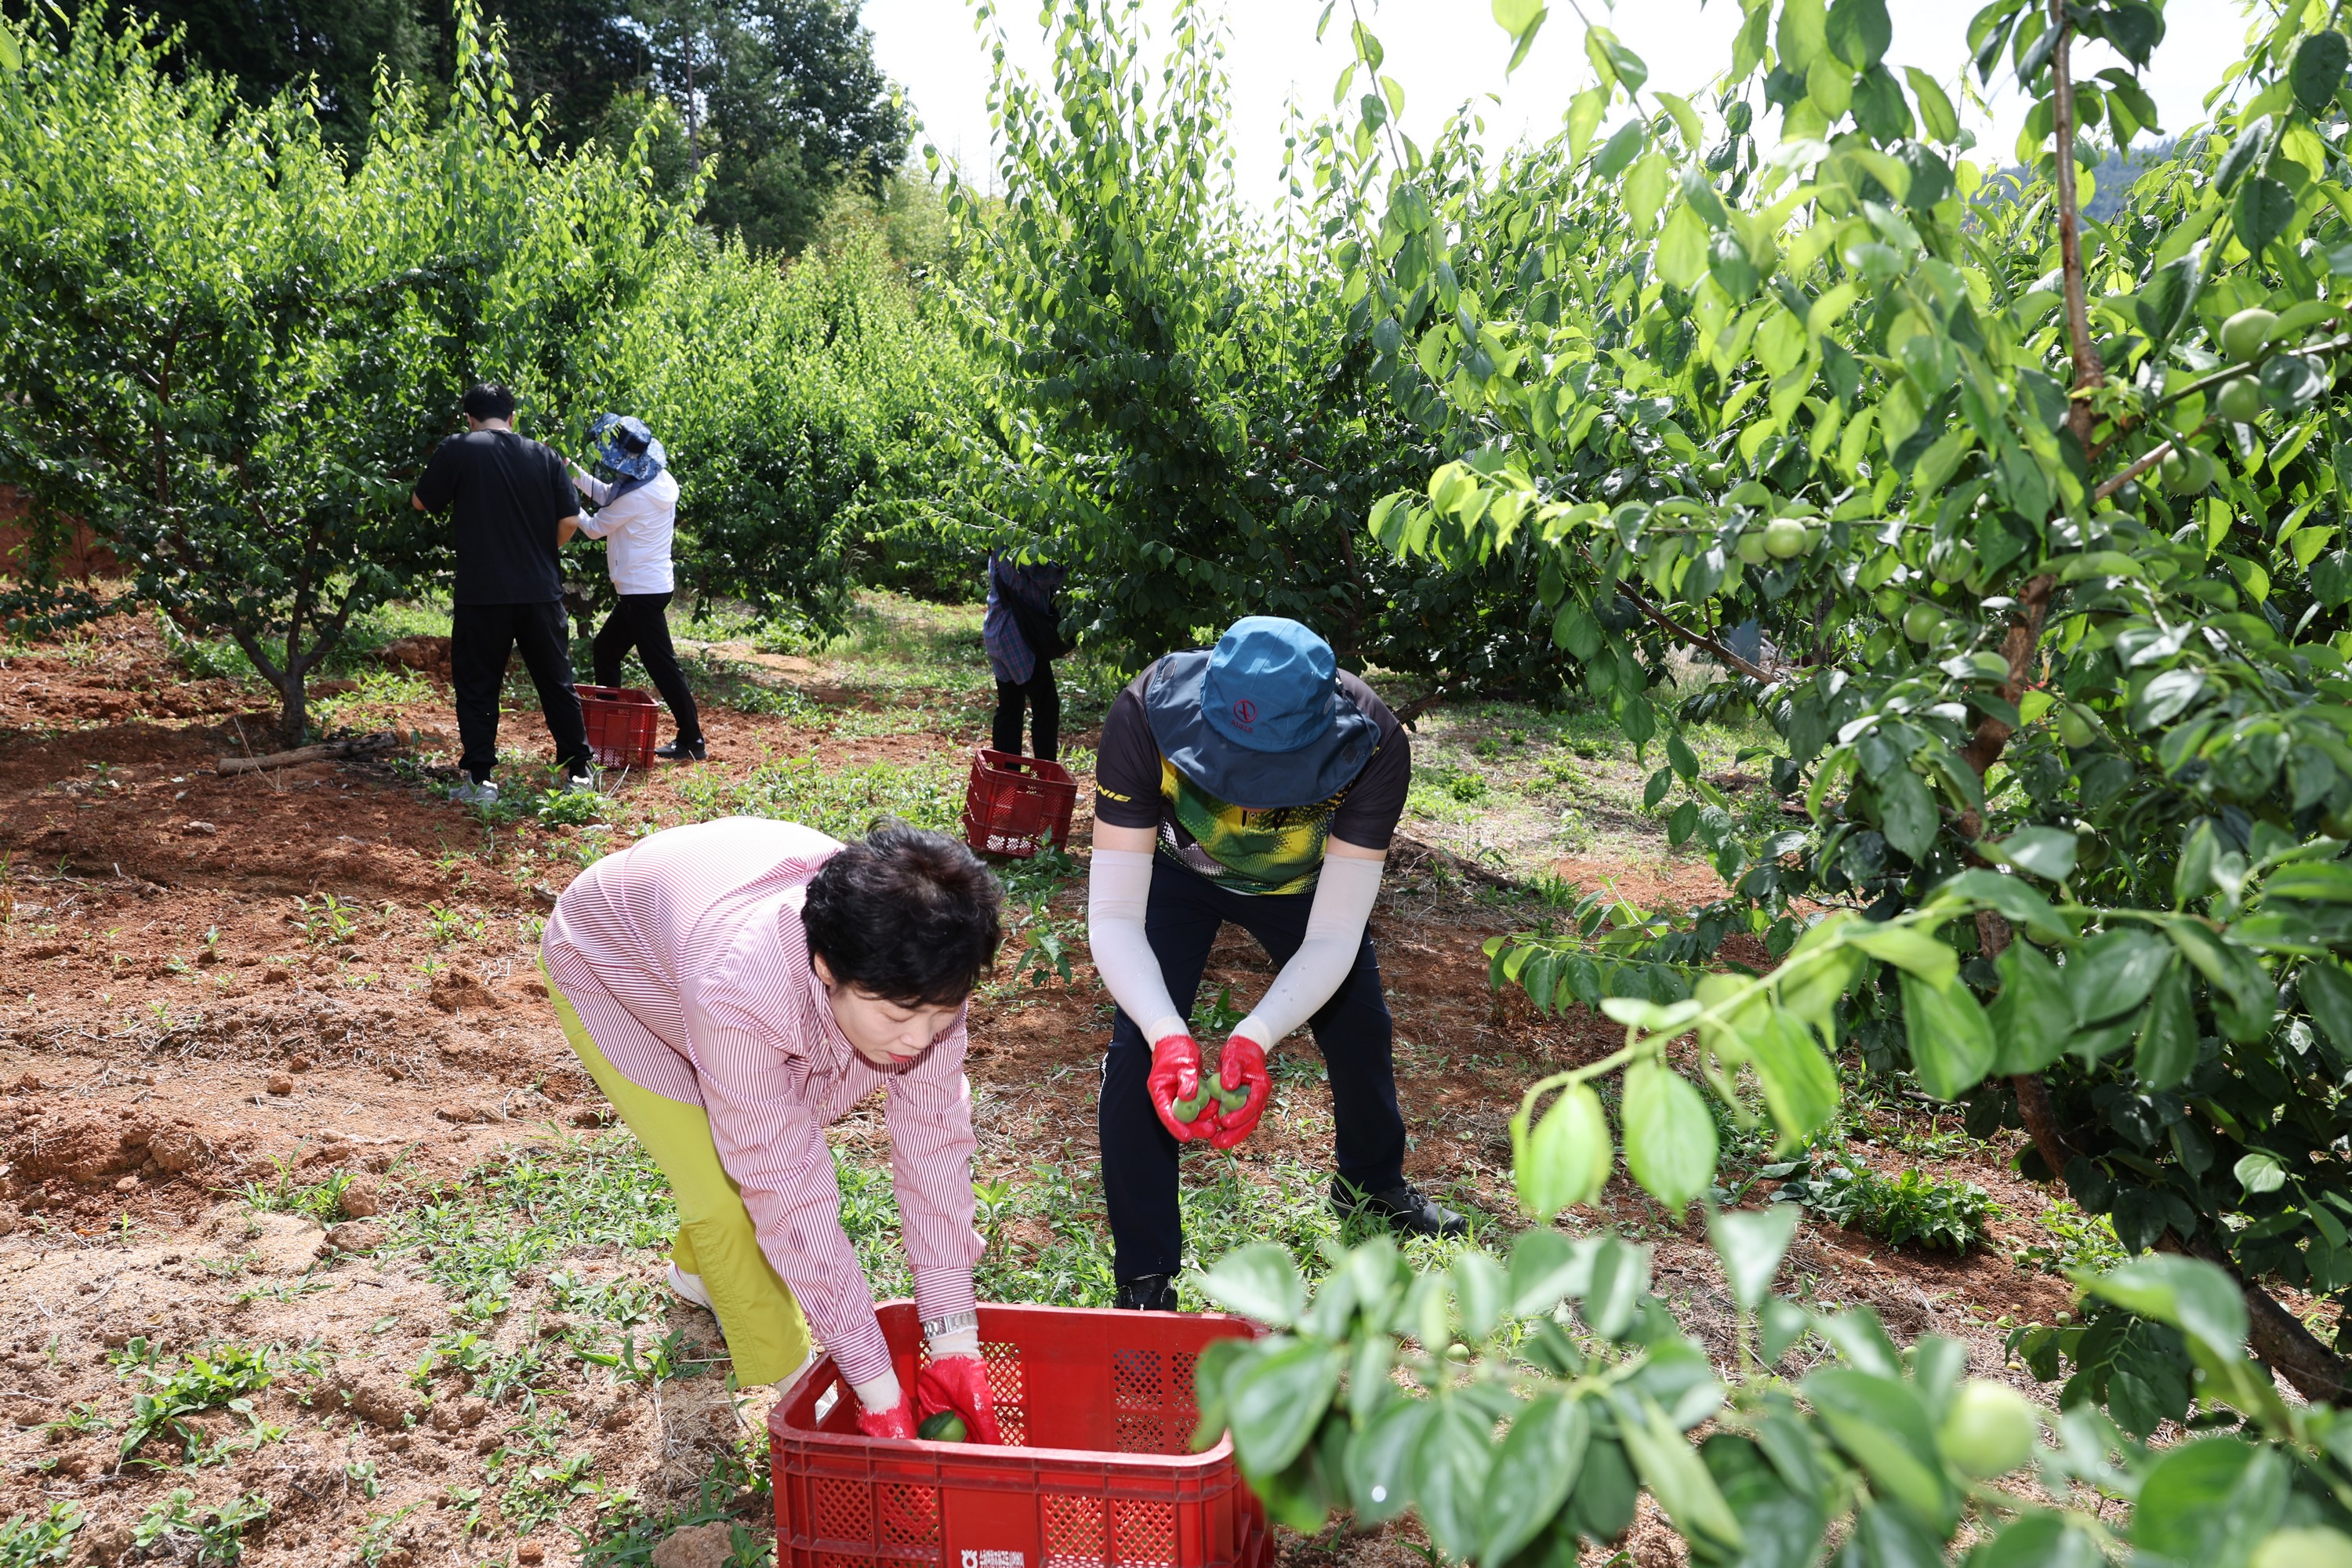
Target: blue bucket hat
x,y
627,447
1259,722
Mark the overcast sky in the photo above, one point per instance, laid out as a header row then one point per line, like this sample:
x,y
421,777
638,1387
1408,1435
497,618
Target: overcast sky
x,y
1447,51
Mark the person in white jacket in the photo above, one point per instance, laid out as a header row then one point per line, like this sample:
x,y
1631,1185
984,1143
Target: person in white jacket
x,y
636,516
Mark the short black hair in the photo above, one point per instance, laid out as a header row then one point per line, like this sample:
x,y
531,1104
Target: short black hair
x,y
489,400
906,915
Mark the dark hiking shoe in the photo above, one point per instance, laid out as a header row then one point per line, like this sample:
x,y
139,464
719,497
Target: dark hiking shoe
x,y
1150,1293
683,750
1404,1208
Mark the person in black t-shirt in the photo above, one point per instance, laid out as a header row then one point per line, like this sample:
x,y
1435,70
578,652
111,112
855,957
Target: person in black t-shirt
x,y
510,498
1254,784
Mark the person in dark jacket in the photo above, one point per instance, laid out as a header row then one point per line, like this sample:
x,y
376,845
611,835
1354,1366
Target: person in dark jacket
x,y
511,501
1023,631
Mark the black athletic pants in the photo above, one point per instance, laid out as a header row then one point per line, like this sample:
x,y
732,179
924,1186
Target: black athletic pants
x,y
1353,1031
1044,699
641,621
481,637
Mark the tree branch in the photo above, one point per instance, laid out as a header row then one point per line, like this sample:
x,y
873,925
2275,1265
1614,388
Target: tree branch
x,y
2088,371
1695,640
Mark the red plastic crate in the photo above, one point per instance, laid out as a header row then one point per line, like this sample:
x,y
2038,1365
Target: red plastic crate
x,y
1013,802
1098,1411
619,725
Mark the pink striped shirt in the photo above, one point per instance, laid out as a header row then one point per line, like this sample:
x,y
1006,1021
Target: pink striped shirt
x,y
685,959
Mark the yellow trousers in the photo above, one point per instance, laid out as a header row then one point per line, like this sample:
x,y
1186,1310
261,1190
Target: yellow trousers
x,y
766,1335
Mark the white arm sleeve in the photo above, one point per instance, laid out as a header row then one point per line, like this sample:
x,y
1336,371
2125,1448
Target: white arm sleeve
x,y
1118,884
1344,894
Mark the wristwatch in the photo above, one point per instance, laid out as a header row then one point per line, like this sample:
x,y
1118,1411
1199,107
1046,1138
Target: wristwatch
x,y
935,1328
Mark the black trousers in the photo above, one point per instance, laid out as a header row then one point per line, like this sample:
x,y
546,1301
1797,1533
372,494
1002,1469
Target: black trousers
x,y
481,637
639,621
1044,699
1353,1031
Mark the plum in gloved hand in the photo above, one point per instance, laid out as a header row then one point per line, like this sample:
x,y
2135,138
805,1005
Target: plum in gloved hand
x,y
890,1421
960,1384
1240,1066
1176,1075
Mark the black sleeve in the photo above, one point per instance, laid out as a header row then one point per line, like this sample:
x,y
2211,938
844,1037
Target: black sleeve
x,y
1368,818
438,485
559,490
1127,765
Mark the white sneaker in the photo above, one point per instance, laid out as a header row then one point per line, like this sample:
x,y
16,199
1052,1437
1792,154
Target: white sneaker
x,y
469,793
580,783
689,1286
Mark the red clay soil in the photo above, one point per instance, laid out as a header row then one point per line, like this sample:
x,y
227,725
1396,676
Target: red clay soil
x,y
169,1031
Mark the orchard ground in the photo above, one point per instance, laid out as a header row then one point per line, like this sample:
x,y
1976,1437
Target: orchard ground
x,y
318,1244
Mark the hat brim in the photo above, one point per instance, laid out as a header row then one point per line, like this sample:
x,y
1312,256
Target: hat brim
x,y
1255,781
633,465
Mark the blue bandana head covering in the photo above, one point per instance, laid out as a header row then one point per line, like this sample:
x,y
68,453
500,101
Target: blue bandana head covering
x,y
628,448
1260,722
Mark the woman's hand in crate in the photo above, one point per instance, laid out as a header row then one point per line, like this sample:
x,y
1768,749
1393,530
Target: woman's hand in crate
x,y
960,1384
890,1421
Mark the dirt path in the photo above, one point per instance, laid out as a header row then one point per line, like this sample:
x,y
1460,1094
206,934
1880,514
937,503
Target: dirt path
x,y
308,1213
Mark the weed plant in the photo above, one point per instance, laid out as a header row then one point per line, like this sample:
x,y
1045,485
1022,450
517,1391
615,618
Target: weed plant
x,y
1914,1208
37,1541
198,1536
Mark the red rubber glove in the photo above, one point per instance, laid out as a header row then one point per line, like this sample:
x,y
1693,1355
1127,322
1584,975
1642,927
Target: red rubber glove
x,y
959,1383
1176,1075
1242,1064
899,1421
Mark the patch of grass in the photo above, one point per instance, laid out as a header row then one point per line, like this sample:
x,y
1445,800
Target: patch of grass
x,y
198,1535
733,1492
1912,1208
222,1377
476,1239
841,801
321,1200
36,1540
381,703
2078,1240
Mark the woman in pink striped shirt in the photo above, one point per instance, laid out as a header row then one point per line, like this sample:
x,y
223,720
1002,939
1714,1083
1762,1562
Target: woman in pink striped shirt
x,y
735,986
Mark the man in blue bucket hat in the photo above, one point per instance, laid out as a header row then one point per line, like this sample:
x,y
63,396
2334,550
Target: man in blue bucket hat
x,y
637,517
1254,784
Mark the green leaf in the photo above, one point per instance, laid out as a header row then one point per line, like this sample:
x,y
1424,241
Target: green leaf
x,y
2165,698
1781,1324
1584,112
2188,1293
1675,1475
1257,1281
2167,1040
1908,811
1908,949
2327,993
1686,118
2113,973
1625,141
1751,1243
1800,1087
2209,1500
1682,248
1935,106
2260,1173
11,58
2244,155
1275,1402
1858,31
1480,1293
1614,59
1545,1268
2316,69
1620,1277
1534,1471
2049,1540
1645,189
1679,755
1882,1425
2243,999
1565,1159
1455,1460
2032,1018
1381,1460
1670,1138
2264,209
2045,852
1951,1040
